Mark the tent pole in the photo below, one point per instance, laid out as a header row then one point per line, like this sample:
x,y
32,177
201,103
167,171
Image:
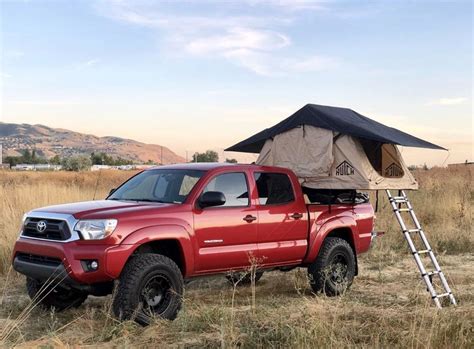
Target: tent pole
x,y
376,201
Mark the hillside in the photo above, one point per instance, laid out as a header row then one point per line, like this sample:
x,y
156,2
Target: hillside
x,y
49,142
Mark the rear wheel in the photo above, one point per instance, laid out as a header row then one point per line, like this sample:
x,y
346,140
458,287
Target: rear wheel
x,y
243,278
150,286
54,296
333,270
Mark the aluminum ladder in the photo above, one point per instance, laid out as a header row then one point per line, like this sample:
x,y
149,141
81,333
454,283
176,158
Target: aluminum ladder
x,y
397,202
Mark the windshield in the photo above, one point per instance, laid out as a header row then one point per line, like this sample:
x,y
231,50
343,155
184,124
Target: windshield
x,y
168,186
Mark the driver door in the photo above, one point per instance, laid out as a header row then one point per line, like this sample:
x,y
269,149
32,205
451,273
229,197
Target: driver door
x,y
226,234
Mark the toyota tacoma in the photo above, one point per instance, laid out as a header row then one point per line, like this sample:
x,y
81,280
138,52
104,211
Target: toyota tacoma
x,y
171,223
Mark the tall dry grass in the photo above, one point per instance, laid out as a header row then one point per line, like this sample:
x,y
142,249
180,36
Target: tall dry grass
x,y
387,305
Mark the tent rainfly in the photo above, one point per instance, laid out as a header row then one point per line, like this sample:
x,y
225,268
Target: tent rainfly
x,y
336,148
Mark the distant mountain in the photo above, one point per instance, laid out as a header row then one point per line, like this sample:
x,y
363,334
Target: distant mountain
x,y
49,142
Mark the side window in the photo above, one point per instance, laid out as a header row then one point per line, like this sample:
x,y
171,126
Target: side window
x,y
274,188
234,187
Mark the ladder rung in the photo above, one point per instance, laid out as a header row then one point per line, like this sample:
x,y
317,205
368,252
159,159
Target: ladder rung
x,y
412,231
403,209
422,251
442,295
399,198
432,272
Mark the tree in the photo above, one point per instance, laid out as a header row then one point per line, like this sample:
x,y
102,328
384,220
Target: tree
x,y
26,156
77,163
55,160
208,156
231,161
104,159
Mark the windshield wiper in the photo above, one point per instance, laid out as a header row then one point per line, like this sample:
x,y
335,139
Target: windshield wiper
x,y
147,200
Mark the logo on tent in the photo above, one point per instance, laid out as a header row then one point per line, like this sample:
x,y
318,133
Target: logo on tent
x,y
393,171
344,169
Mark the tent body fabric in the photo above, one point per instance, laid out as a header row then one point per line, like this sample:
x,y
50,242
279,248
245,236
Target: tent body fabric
x,y
341,120
323,160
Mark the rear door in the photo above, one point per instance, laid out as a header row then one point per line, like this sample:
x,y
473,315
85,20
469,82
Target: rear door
x,y
283,224
226,235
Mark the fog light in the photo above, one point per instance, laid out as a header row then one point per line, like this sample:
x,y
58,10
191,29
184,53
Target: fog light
x,y
89,265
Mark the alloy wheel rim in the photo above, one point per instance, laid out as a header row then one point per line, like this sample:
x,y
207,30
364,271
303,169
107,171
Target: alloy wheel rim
x,y
156,295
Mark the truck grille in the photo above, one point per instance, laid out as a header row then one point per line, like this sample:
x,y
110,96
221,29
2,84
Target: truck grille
x,y
55,229
32,258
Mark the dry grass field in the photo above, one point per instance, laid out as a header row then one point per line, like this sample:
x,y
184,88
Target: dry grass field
x,y
387,305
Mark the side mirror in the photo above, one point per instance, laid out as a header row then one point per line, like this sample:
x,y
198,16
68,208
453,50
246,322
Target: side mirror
x,y
212,198
112,191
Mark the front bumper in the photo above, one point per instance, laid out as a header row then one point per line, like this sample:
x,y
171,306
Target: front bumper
x,y
70,258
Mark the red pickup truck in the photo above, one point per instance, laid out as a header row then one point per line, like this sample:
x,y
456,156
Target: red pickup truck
x,y
172,223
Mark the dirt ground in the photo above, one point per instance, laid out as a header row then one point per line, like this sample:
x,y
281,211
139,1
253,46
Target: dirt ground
x,y
387,305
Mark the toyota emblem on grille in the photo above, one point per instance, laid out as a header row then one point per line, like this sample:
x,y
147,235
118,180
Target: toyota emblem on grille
x,y
41,226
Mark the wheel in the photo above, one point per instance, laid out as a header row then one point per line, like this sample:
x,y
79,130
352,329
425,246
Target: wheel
x,y
54,296
333,270
243,278
151,285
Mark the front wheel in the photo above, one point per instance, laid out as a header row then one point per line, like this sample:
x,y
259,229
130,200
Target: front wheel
x,y
150,286
333,270
54,296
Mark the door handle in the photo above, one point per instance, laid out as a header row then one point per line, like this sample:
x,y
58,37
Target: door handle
x,y
249,218
297,215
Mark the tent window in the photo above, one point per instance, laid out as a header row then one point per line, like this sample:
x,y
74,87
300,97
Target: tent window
x,y
384,158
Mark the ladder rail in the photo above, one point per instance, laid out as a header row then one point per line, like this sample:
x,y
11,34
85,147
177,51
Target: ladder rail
x,y
396,203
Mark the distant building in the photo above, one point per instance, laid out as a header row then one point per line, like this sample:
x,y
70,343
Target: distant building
x,y
100,167
36,167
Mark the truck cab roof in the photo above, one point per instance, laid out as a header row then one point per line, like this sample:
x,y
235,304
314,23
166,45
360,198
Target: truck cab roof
x,y
207,166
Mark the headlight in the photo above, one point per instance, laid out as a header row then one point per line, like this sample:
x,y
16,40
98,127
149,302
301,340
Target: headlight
x,y
25,216
96,229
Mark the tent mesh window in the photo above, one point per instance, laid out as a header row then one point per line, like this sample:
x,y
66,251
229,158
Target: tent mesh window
x,y
383,157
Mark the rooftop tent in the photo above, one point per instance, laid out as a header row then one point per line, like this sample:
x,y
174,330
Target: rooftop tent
x,y
336,148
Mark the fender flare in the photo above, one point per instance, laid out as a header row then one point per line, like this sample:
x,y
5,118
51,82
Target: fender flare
x,y
317,236
165,231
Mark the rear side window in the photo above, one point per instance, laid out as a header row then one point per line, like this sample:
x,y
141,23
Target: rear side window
x,y
274,188
233,186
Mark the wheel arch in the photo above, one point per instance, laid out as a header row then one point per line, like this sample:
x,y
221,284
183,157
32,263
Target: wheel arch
x,y
344,227
170,248
171,240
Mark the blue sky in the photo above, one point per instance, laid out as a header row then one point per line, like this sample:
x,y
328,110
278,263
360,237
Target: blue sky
x,y
199,74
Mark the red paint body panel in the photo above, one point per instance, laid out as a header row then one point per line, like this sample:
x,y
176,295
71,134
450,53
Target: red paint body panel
x,y
211,240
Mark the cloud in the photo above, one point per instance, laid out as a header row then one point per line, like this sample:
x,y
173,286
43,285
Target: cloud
x,y
266,64
91,62
254,42
238,38
448,101
86,64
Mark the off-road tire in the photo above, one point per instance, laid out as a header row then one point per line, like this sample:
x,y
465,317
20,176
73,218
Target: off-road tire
x,y
54,296
320,271
243,278
128,303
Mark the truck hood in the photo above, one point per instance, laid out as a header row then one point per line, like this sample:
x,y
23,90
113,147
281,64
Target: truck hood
x,y
101,208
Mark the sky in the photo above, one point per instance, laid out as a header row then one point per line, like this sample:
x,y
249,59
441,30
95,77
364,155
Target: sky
x,y
197,75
